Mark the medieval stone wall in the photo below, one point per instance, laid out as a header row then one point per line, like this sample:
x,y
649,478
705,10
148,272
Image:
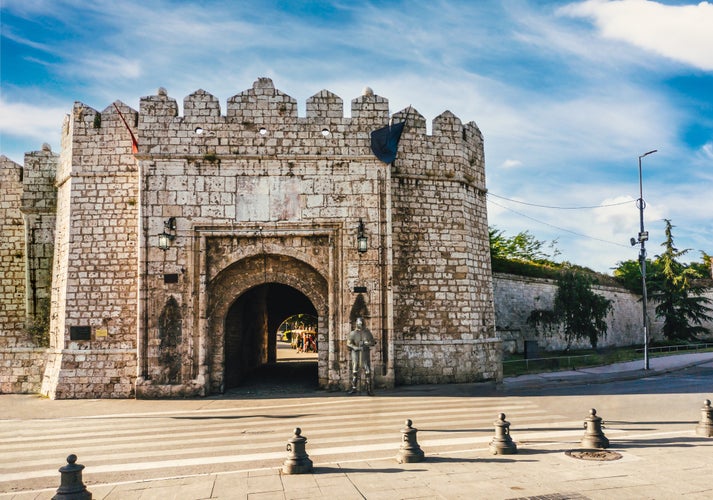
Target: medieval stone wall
x,y
27,218
260,180
443,315
39,206
95,277
517,296
12,256
256,196
260,195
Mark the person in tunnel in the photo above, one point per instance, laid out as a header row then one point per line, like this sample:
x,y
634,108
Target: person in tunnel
x,y
359,343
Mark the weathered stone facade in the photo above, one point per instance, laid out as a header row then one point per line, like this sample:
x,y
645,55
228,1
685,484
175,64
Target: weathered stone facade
x,y
27,217
517,296
259,212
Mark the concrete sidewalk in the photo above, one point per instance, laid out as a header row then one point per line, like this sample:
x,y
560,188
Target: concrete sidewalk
x,y
658,456
629,370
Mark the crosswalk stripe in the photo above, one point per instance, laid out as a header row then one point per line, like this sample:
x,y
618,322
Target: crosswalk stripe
x,y
128,430
253,434
254,457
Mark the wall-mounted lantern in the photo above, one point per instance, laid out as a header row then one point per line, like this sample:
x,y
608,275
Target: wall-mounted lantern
x,y
362,241
168,235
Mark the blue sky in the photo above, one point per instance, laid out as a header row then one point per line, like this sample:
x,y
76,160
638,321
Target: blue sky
x,y
567,94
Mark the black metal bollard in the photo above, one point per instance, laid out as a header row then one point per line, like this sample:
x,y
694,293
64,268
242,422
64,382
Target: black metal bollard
x,y
297,461
705,426
409,451
71,486
502,443
593,435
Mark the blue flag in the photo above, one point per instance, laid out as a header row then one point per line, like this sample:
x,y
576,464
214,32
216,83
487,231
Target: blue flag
x,y
385,141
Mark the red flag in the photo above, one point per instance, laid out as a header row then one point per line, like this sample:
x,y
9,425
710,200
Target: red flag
x,y
134,142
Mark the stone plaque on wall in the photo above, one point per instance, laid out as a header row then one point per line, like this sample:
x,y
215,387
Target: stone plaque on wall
x,y
80,333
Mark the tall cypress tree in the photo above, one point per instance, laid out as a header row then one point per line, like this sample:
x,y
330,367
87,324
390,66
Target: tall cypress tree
x,y
679,298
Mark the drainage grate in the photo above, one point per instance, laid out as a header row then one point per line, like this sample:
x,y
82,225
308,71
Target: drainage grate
x,y
555,496
597,455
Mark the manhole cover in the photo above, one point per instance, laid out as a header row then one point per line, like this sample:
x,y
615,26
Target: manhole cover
x,y
598,455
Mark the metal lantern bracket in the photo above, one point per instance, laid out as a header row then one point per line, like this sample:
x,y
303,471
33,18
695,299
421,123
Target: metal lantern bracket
x,y
165,238
362,240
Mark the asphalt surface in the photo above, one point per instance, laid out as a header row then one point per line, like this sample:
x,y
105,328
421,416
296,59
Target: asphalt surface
x,y
234,446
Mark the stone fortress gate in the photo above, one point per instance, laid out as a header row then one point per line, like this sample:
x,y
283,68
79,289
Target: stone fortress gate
x,y
181,243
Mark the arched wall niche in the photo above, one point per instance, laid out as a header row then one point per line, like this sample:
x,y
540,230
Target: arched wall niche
x,y
170,336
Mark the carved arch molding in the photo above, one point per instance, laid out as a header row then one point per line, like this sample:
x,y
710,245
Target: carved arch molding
x,y
246,274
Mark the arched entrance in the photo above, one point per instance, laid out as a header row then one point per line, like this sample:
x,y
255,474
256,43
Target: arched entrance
x,y
246,303
251,343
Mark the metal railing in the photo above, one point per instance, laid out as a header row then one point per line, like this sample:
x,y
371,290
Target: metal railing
x,y
676,348
554,362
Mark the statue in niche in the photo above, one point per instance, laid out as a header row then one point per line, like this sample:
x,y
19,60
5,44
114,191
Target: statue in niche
x,y
359,344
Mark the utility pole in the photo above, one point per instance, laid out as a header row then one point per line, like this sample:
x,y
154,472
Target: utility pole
x,y
643,236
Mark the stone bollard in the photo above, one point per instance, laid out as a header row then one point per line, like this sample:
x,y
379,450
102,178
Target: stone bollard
x,y
502,443
705,426
593,435
71,486
297,461
409,451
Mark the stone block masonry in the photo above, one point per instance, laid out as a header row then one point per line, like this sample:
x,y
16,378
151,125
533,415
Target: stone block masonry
x,y
258,212
27,211
12,256
517,296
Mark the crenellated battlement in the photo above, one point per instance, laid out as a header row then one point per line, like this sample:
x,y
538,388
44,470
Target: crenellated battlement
x,y
263,121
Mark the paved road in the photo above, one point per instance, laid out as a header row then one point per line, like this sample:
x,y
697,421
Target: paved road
x,y
158,439
233,446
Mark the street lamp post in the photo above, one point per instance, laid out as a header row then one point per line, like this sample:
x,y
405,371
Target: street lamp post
x,y
643,236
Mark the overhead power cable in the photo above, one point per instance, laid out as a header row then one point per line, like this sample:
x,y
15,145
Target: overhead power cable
x,y
559,228
561,208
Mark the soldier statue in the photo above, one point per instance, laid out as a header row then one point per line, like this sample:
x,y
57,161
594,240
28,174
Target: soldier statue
x,y
359,343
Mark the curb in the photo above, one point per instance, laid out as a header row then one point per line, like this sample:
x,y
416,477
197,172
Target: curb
x,y
592,378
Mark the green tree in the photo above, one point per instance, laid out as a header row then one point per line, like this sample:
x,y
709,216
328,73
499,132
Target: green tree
x,y
628,274
678,296
578,312
522,247
704,267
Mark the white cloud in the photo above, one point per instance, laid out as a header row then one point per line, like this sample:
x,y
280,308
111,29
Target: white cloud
x,y
103,66
509,163
707,151
680,32
39,123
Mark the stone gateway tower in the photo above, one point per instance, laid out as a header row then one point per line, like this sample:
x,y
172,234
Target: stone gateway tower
x,y
181,243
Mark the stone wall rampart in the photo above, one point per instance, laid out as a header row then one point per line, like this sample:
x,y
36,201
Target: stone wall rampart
x,y
258,174
517,296
95,277
12,257
263,122
21,369
39,206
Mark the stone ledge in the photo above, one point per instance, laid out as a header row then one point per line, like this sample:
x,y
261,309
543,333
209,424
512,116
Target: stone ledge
x,y
447,341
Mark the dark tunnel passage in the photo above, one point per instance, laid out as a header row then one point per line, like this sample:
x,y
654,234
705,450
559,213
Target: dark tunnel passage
x,y
251,337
